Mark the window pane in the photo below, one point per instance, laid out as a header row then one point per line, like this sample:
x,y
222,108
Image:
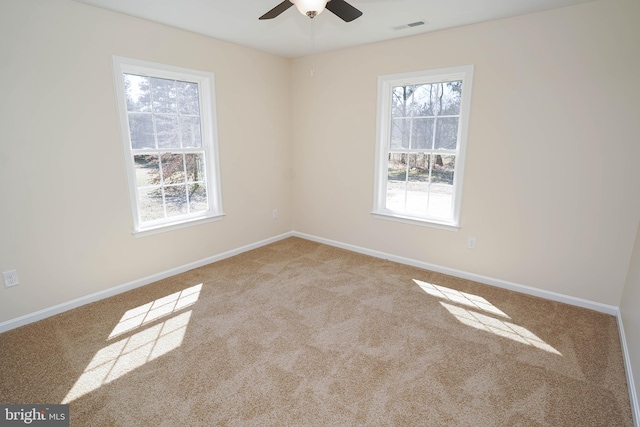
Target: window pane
x,y
400,133
446,133
137,93
423,100
401,100
397,179
191,132
418,167
167,131
396,192
172,168
418,185
440,201
164,95
176,198
150,204
441,190
195,167
397,167
443,169
141,131
198,198
449,98
422,133
188,101
147,170
417,197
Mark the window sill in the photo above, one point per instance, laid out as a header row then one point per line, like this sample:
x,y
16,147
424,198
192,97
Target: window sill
x,y
442,225
148,231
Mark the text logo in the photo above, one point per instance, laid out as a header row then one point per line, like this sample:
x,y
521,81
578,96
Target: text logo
x,y
34,415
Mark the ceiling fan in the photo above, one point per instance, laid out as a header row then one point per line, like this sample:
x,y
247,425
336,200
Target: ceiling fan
x,y
312,8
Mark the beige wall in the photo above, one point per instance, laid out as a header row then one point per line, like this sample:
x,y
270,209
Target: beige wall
x,y
630,312
65,218
551,180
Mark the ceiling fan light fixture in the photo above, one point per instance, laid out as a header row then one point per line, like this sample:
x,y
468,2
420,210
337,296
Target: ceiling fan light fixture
x,y
310,8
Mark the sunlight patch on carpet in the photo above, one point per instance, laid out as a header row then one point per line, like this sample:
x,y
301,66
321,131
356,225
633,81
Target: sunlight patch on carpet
x,y
161,307
498,327
481,321
123,356
470,300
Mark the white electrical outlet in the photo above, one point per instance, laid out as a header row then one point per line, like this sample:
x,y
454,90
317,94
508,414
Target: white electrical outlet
x,y
471,242
10,278
275,213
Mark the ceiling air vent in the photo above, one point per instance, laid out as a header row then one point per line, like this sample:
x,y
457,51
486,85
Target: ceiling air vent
x,y
410,25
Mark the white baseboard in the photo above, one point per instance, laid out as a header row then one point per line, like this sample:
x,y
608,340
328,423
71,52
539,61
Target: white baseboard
x,y
633,396
60,308
50,311
603,308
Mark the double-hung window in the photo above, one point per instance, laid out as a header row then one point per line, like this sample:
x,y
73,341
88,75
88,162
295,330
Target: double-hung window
x,y
167,115
422,129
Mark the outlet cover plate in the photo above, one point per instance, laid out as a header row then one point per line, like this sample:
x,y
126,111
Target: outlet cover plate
x,y
471,242
10,278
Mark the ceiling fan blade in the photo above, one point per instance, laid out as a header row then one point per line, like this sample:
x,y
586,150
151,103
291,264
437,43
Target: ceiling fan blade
x,y
343,10
286,4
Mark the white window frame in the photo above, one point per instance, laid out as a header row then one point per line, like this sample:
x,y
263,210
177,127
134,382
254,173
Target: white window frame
x,y
206,91
386,83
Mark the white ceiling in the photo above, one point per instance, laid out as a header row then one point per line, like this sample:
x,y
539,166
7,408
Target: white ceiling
x,y
293,34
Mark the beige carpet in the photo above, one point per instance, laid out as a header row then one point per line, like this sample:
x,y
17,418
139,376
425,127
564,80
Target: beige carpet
x,y
298,333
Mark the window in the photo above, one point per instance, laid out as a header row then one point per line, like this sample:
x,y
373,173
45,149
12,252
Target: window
x,y
167,115
422,128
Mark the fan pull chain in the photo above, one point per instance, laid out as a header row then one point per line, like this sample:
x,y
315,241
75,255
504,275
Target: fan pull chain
x,y
313,47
